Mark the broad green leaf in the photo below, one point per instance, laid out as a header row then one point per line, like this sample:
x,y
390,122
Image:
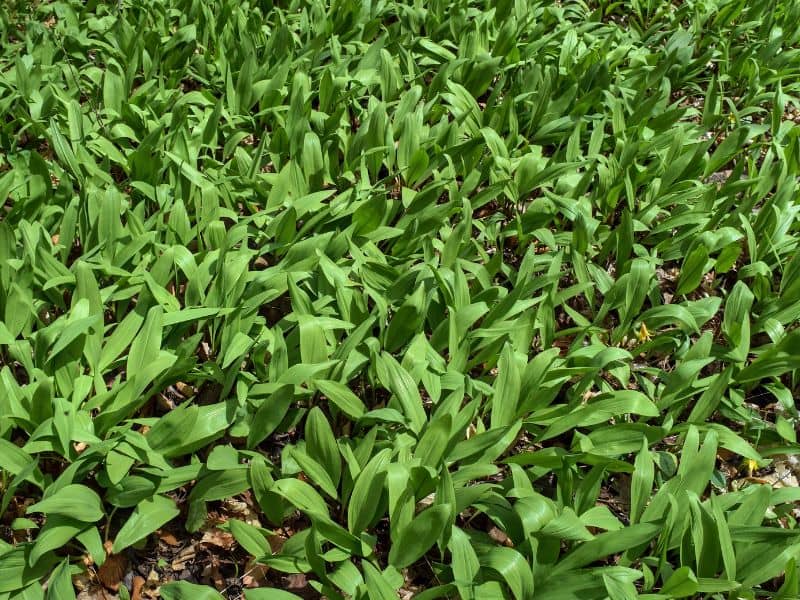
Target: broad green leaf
x,y
680,584
506,389
74,501
397,379
341,396
321,444
365,498
146,344
60,583
270,414
641,481
693,269
250,538
418,536
465,563
183,590
603,407
269,594
149,515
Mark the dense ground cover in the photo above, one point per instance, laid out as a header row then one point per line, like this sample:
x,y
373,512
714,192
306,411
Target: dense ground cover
x,y
456,299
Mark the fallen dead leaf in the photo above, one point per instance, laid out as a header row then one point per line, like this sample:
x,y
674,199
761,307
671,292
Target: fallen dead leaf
x,y
276,542
164,403
211,573
96,593
168,538
471,430
499,536
426,501
152,585
183,558
588,395
725,454
112,570
297,581
219,538
185,389
242,510
137,587
81,581
255,576
781,476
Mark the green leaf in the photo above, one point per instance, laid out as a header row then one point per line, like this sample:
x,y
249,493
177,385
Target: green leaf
x,y
606,544
269,594
183,590
146,345
692,270
680,584
377,586
506,389
418,536
775,360
732,144
603,407
301,495
512,567
250,538
316,472
341,396
270,414
57,532
364,500
59,586
465,563
397,379
641,481
321,444
74,501
149,515
20,568
433,443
